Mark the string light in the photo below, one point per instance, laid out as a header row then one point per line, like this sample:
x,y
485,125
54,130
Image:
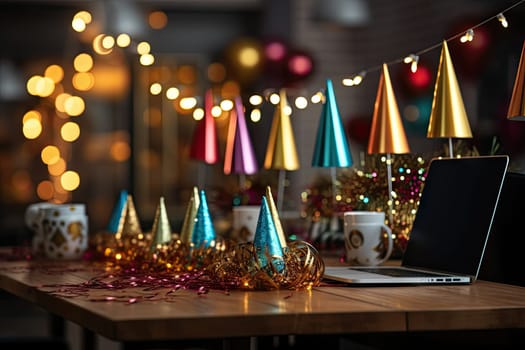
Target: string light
x,y
501,18
468,36
413,61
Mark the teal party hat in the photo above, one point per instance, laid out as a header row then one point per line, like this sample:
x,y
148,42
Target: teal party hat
x,y
331,146
266,240
118,210
203,231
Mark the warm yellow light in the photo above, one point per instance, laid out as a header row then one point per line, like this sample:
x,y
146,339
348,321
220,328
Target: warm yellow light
x,y
40,86
255,100
32,128
108,42
55,73
198,113
31,85
83,81
155,88
84,16
57,168
249,57
98,47
120,151
172,93
78,25
255,115
147,59
83,62
45,190
60,102
287,110
74,106
32,114
188,102
216,111
301,102
70,180
226,105
501,18
143,48
123,40
274,98
50,154
317,97
157,19
70,131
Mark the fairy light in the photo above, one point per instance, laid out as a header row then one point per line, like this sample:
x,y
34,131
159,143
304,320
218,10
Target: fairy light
x,y
468,36
301,102
413,60
255,100
255,115
501,18
274,98
317,97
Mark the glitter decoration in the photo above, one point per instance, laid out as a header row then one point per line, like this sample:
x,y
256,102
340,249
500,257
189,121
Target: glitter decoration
x,y
118,212
161,230
203,232
189,217
266,240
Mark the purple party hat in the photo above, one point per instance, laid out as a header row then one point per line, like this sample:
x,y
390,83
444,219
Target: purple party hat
x,y
266,240
331,146
203,231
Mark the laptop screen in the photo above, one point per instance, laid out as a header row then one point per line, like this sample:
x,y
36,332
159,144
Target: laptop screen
x,y
455,214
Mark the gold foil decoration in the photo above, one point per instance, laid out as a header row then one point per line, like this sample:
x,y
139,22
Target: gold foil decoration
x,y
448,118
517,101
189,217
387,134
161,229
281,152
129,224
275,217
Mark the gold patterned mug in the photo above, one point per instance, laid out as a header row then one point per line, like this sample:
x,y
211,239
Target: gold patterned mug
x,y
363,233
65,231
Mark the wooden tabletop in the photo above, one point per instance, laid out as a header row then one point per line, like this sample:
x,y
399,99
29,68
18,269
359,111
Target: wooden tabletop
x,y
327,309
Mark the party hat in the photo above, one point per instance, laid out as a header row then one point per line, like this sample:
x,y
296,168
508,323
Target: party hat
x,y
387,134
331,146
281,152
239,157
275,217
266,240
203,231
189,217
161,229
517,101
448,117
204,146
129,224
118,211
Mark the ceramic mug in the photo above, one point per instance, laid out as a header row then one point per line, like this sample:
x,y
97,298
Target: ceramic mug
x,y
65,231
33,219
363,234
245,222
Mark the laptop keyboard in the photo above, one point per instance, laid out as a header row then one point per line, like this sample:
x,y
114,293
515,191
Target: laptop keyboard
x,y
397,272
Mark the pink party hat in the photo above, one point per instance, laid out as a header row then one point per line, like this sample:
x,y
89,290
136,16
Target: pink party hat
x,y
204,146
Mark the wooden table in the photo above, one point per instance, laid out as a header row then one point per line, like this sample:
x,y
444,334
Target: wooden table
x,y
325,310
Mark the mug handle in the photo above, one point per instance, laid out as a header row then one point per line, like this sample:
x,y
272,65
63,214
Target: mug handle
x,y
390,244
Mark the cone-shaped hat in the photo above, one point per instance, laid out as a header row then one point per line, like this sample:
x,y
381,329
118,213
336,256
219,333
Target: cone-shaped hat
x,y
129,224
331,146
203,231
275,216
448,117
387,134
189,217
239,157
281,152
204,145
266,240
517,102
118,212
161,229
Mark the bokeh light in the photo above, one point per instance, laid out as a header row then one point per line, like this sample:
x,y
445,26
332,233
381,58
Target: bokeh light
x,y
70,180
70,131
50,154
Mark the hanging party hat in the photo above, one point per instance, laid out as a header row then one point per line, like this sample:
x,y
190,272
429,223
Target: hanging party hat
x,y
204,146
129,224
239,157
275,217
387,134
448,117
281,152
266,240
203,231
161,230
118,211
517,101
189,217
331,146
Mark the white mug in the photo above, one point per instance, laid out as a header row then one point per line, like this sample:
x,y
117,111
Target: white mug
x,y
33,219
66,231
363,234
245,222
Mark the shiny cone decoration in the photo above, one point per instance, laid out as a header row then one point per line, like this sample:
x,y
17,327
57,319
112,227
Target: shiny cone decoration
x,y
161,230
203,231
387,135
331,146
266,240
129,224
118,212
448,118
204,146
239,157
189,217
281,152
517,101
275,217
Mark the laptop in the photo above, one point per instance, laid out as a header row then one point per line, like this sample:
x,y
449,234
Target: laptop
x,y
450,230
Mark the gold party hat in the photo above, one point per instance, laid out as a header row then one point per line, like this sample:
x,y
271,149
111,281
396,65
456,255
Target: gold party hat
x,y
129,224
387,134
281,152
275,216
517,102
448,117
161,230
189,217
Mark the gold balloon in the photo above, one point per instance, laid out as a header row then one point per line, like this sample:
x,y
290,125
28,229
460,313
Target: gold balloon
x,y
517,102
